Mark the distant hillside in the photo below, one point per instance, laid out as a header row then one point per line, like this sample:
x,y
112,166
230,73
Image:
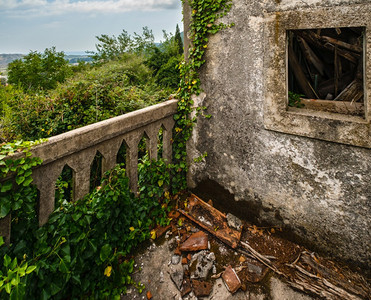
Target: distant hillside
x,y
6,59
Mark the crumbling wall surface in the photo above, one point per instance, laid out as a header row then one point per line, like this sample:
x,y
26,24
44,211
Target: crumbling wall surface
x,y
321,190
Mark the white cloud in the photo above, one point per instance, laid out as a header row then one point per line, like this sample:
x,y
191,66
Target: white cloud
x,y
55,7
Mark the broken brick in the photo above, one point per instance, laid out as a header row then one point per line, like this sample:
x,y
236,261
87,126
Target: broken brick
x,y
184,260
197,241
189,256
161,230
174,214
231,280
149,295
186,287
201,288
177,251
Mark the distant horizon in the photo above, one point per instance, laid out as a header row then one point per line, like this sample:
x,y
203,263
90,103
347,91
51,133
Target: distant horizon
x,y
72,25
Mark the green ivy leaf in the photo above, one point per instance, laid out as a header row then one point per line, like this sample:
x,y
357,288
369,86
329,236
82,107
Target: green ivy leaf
x,y
6,186
105,252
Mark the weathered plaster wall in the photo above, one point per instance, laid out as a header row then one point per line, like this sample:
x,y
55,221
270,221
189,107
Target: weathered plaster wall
x,y
320,190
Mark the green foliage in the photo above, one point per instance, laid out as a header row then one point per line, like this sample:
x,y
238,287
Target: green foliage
x,y
112,47
178,40
39,70
17,192
84,248
295,100
12,276
97,94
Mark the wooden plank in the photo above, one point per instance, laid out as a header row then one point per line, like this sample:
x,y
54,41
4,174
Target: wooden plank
x,y
297,70
352,93
311,56
212,220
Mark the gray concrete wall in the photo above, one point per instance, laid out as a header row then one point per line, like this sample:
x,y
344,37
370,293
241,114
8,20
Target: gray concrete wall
x,y
318,189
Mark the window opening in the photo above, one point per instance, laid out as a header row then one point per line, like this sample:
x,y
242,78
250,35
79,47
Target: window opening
x,y
326,69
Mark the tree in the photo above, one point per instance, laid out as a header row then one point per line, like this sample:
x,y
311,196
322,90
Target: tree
x,y
39,70
178,39
112,47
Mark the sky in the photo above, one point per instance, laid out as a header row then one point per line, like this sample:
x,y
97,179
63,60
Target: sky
x,y
72,25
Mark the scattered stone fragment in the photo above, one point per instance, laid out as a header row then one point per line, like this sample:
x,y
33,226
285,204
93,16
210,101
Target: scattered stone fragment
x,y
197,241
205,262
177,275
231,280
162,279
149,295
186,287
201,288
242,259
234,222
175,259
256,271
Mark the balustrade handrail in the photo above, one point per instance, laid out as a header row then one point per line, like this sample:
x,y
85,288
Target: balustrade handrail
x,y
77,149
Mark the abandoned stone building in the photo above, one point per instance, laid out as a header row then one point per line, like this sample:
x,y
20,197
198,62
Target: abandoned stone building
x,y
305,167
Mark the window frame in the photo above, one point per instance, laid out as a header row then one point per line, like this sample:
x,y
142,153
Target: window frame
x,y
278,116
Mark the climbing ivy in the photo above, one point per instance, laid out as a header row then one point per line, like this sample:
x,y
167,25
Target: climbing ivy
x,y
204,22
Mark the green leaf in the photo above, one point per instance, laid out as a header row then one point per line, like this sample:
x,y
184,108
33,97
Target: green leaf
x,y
6,186
8,287
105,252
1,241
160,183
19,179
30,269
63,266
7,260
27,181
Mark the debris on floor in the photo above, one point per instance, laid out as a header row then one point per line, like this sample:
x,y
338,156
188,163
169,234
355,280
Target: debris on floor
x,y
199,261
212,220
231,280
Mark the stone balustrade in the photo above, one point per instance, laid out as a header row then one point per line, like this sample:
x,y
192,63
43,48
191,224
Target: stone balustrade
x,y
77,149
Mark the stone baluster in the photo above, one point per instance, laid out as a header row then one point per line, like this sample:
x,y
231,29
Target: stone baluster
x,y
167,150
45,178
152,132
81,164
132,140
109,151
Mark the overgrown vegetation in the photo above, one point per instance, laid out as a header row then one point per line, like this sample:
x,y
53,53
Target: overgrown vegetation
x,y
84,249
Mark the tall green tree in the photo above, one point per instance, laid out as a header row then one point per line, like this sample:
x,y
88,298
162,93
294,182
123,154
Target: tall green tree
x,y
39,70
178,39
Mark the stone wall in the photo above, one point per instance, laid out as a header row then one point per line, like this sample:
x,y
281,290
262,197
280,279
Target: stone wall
x,y
307,171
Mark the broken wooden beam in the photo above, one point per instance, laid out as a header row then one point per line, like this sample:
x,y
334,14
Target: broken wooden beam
x,y
300,75
212,220
352,93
